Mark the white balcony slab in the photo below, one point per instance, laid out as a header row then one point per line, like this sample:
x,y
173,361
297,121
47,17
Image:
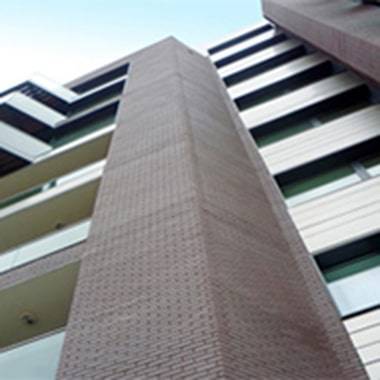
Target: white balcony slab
x,y
60,161
33,108
258,58
244,45
237,34
339,217
91,176
356,324
311,145
283,72
54,88
45,245
22,144
373,371
300,99
366,337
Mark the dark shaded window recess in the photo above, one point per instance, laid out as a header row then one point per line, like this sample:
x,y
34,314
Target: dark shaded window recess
x,y
102,79
24,122
9,162
358,163
285,86
253,49
241,38
311,117
84,124
41,95
264,66
371,2
103,94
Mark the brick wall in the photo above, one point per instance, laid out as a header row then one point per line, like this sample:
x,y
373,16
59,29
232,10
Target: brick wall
x,y
344,29
193,269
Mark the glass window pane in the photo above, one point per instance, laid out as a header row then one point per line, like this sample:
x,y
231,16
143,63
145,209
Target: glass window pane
x,y
372,164
92,126
357,292
319,184
282,132
352,267
37,360
341,110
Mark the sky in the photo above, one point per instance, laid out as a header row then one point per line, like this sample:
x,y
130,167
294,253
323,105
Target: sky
x,y
65,39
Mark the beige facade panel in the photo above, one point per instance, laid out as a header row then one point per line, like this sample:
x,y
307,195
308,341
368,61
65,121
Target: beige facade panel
x,y
258,58
340,217
300,99
271,77
322,141
243,45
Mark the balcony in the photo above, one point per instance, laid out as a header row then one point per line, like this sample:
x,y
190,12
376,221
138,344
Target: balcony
x,y
32,329
44,246
69,200
67,158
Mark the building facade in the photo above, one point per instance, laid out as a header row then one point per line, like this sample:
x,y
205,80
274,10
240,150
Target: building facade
x,y
310,98
143,228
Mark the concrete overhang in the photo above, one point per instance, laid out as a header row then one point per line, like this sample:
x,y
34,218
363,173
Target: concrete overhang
x,y
347,31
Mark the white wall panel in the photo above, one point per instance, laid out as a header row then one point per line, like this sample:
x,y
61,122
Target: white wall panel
x,y
257,58
313,144
21,144
374,371
278,74
33,108
362,321
297,100
339,217
244,45
364,331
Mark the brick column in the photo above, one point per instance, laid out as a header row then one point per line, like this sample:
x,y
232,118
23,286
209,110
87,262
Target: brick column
x,y
193,269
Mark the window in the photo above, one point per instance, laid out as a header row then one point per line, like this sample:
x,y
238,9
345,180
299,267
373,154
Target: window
x,y
352,267
319,184
285,128
372,164
354,285
328,180
102,79
82,128
80,173
37,360
32,329
352,273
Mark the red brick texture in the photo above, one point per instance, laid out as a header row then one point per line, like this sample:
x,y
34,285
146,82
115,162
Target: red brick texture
x,y
346,30
193,269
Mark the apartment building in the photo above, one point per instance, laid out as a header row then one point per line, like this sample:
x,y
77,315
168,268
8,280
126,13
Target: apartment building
x,y
143,228
316,123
